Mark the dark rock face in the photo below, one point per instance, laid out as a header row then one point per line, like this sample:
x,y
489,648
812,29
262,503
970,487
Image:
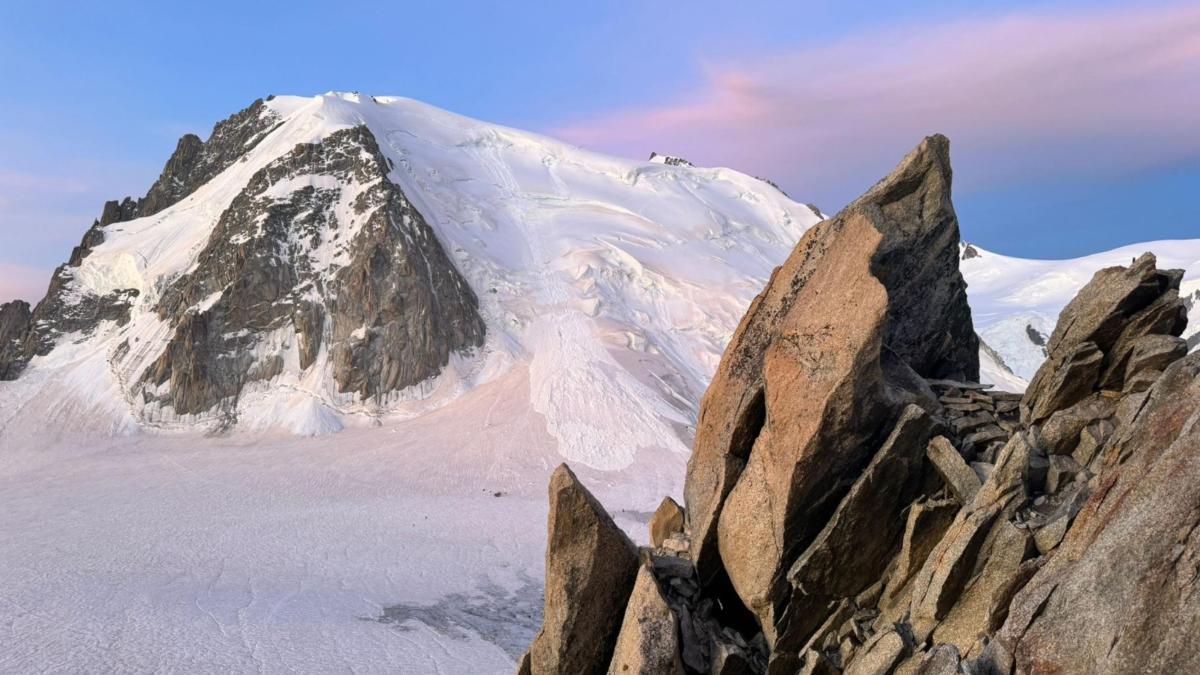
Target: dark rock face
x,y
390,308
15,318
918,264
193,164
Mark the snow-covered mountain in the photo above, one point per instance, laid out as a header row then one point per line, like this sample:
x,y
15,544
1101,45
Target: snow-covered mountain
x,y
335,260
324,234
1015,302
263,283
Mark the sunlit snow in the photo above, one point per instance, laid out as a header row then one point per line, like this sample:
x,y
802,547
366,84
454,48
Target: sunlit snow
x,y
329,534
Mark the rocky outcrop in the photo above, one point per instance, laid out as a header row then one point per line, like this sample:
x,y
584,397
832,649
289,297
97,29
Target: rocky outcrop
x,y
15,318
1099,331
590,571
1119,593
666,521
832,348
65,309
668,160
389,315
858,504
648,643
858,541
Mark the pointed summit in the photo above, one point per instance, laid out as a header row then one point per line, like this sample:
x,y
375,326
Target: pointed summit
x,y
869,302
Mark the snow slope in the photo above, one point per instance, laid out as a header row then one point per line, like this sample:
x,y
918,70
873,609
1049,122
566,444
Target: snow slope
x,y
1010,296
617,283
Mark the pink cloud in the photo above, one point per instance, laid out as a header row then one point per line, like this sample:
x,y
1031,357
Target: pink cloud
x,y
1019,95
19,282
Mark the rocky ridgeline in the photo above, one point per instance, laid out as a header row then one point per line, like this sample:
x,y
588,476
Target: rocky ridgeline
x,y
320,249
857,503
391,310
64,310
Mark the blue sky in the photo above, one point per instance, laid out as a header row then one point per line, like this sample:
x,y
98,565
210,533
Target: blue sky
x,y
1069,120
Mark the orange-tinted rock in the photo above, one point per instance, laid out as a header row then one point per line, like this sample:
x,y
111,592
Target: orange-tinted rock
x,y
590,571
666,521
807,391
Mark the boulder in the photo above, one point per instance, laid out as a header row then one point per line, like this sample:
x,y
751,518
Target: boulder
x,y
1063,470
1069,379
666,521
941,660
1154,353
962,481
648,643
807,387
1050,535
1060,433
726,660
590,571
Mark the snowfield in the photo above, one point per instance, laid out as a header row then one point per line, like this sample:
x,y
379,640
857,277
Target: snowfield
x,y
327,534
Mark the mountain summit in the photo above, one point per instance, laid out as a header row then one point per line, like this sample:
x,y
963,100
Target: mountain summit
x,y
321,260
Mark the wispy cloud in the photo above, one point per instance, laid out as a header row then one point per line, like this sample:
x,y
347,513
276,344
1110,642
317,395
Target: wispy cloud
x,y
1020,95
22,282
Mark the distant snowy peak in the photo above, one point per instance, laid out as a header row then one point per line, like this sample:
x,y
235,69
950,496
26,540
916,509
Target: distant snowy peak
x,y
319,262
340,259
324,259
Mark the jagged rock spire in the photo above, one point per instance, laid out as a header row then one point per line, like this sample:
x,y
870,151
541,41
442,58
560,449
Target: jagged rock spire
x,y
868,302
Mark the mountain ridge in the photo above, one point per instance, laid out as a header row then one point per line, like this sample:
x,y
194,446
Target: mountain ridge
x,y
646,266
479,186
